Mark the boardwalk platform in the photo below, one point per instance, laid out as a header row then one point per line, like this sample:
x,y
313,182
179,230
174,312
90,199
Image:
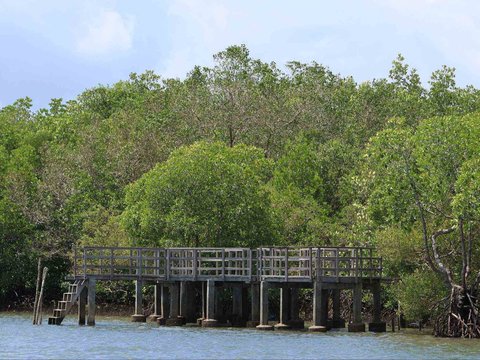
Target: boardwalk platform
x,y
189,281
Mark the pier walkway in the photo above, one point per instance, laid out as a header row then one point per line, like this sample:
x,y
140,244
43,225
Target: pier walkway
x,y
190,284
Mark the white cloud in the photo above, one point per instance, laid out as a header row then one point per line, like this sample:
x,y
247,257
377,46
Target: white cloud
x,y
108,33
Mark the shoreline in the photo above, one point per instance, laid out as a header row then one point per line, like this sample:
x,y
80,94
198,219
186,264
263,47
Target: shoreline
x,y
101,310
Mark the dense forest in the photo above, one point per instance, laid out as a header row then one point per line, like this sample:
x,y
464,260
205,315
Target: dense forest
x,y
246,153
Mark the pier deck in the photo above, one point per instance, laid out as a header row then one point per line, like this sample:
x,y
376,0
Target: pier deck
x,y
181,274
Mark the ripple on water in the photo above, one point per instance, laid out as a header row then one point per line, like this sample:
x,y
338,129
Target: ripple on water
x,y
114,338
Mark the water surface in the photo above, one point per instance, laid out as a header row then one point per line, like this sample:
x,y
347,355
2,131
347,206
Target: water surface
x,y
114,338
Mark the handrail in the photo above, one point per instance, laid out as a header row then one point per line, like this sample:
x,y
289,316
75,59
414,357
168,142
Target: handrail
x,y
284,264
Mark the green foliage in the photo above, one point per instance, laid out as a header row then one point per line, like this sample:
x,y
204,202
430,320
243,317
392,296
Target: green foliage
x,y
206,194
297,193
303,156
419,294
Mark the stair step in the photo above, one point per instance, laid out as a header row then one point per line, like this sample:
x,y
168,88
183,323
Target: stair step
x,y
64,305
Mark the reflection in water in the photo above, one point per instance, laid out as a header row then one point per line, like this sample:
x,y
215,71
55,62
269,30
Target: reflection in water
x,y
114,338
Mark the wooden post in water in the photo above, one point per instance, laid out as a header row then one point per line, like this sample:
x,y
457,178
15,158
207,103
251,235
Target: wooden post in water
x,y
138,316
38,320
92,282
320,300
264,286
37,290
211,320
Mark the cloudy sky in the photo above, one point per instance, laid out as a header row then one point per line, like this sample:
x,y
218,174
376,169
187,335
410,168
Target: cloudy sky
x,y
58,48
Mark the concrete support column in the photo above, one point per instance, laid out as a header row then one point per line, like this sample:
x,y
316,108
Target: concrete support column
x,y
377,325
320,302
82,305
210,321
238,309
337,321
284,309
173,319
138,316
183,301
204,304
264,286
255,302
357,325
161,304
294,321
92,282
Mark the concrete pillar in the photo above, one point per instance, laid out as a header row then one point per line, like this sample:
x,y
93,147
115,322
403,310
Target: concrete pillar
x,y
183,301
255,302
92,282
161,304
210,321
337,321
264,307
377,325
320,301
284,309
204,304
82,305
295,322
238,310
138,316
173,319
357,324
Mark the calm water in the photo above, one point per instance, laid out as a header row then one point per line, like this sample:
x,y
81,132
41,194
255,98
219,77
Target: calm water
x,y
118,338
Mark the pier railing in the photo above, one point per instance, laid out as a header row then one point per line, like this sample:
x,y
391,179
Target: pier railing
x,y
281,264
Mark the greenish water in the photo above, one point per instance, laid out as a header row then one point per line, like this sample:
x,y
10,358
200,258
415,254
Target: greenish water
x,y
117,338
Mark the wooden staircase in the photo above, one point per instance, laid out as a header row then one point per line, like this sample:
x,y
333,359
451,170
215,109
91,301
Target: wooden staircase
x,y
69,298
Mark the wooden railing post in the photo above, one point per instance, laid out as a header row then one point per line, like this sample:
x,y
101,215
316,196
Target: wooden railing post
x,y
355,252
75,261
286,264
310,250
139,262
167,264
249,272
84,262
195,264
223,264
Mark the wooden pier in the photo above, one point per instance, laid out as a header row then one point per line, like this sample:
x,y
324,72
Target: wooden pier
x,y
189,281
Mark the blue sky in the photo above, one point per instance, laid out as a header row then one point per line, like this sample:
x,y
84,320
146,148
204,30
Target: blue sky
x,y
58,48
